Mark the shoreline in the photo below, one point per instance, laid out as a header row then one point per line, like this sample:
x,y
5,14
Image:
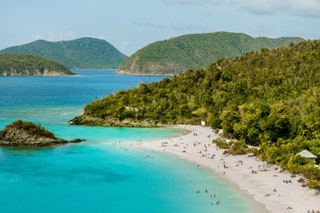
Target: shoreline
x,y
276,189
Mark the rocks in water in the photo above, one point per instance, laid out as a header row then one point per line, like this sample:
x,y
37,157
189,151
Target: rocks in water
x,y
27,134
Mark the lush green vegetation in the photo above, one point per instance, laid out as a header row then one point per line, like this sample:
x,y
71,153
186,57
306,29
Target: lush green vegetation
x,y
15,64
31,128
269,99
232,147
194,51
24,134
83,53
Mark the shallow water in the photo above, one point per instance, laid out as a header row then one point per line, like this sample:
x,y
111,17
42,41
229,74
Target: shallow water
x,y
104,173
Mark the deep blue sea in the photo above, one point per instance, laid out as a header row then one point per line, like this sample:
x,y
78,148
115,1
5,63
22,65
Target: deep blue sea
x,y
104,173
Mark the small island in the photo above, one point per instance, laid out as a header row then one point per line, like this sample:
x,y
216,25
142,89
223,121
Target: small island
x,y
29,135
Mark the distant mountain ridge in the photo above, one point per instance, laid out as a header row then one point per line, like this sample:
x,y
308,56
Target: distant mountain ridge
x,y
82,53
193,51
25,65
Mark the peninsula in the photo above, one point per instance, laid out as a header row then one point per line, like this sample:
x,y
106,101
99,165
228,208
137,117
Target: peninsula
x,y
24,65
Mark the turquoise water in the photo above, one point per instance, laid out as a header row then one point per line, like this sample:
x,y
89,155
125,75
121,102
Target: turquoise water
x,y
104,173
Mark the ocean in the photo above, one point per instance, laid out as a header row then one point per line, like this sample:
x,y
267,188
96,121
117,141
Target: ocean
x,y
104,173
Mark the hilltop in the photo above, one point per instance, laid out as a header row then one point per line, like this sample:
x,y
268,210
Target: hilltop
x,y
19,65
83,53
193,51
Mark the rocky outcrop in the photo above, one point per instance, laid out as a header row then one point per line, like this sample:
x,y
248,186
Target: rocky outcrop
x,y
35,72
27,134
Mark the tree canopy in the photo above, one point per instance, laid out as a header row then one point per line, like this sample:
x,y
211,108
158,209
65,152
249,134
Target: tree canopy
x,y
83,53
269,99
194,51
16,64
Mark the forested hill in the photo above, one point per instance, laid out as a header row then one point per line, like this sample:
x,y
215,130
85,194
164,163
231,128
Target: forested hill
x,y
195,51
19,65
270,99
83,53
280,75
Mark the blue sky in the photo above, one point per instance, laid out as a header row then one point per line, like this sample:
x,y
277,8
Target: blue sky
x,y
132,24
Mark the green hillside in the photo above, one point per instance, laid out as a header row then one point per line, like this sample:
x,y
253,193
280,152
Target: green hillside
x,y
19,65
269,99
192,51
83,53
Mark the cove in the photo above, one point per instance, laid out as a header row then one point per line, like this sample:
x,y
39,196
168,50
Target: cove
x,y
105,173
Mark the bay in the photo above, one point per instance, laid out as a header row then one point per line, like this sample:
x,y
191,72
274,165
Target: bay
x,y
105,173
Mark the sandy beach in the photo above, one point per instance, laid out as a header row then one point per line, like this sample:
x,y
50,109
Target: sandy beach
x,y
276,189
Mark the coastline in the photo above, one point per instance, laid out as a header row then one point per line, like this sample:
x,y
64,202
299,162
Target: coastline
x,y
276,189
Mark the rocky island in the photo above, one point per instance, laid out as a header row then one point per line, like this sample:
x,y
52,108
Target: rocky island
x,y
29,135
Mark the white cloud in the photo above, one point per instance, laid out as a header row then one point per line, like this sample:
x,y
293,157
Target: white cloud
x,y
309,8
126,44
55,36
184,26
260,6
103,37
194,2
37,37
148,24
127,47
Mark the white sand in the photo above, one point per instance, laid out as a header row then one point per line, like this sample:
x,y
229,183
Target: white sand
x,y
275,189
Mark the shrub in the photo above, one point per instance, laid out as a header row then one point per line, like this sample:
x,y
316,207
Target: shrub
x,y
222,144
314,184
255,151
238,148
311,172
35,129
